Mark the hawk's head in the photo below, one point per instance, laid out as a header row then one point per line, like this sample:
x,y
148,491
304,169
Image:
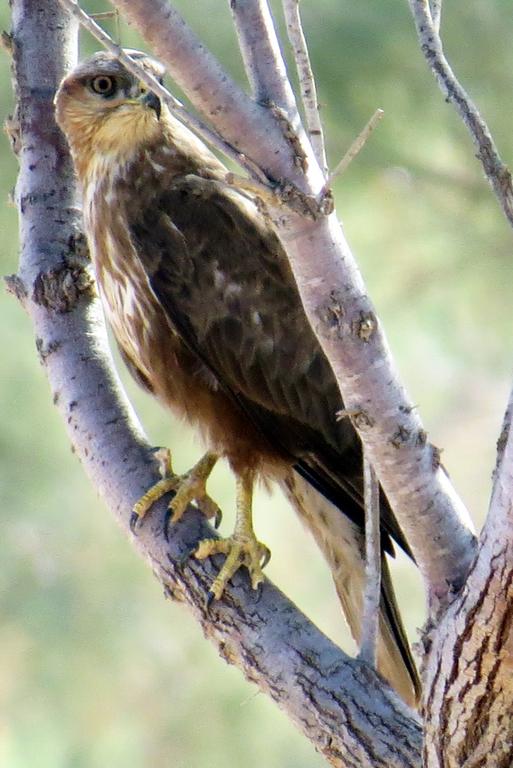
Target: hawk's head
x,y
106,112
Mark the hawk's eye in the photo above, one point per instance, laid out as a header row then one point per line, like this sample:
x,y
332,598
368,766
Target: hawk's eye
x,y
104,85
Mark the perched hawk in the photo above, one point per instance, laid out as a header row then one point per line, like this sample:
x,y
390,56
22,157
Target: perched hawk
x,y
204,307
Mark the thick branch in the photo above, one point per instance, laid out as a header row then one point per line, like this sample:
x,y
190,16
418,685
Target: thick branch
x,y
341,705
262,56
427,22
432,516
469,670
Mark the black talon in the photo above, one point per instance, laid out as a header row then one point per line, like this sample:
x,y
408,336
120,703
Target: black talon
x,y
218,518
210,599
134,523
266,557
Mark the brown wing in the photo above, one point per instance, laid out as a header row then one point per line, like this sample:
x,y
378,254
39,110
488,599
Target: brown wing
x,y
222,277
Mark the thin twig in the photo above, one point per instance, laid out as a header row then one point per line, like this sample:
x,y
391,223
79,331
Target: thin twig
x,y
370,619
355,148
496,171
110,15
191,121
267,73
306,81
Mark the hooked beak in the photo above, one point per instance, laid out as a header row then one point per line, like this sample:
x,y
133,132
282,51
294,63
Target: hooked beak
x,y
153,102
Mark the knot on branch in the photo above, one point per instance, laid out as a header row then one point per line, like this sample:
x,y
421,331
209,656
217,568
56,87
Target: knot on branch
x,y
61,288
365,326
310,206
331,314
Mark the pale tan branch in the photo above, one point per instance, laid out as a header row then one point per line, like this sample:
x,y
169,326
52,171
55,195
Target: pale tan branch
x,y
433,518
356,147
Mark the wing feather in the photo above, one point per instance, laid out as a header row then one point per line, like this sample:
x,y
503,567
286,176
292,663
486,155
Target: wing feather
x,y
221,275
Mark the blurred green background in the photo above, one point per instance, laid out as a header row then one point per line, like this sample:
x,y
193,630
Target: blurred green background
x,y
96,669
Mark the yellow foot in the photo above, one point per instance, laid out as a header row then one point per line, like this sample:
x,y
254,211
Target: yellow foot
x,y
239,550
242,548
188,487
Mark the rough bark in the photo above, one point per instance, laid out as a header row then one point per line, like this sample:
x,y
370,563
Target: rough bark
x,y
468,711
350,715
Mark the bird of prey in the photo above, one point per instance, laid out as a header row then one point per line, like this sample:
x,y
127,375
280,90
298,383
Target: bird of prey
x,y
204,307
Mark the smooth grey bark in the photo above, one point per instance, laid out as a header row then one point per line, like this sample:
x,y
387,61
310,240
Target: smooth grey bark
x,y
341,705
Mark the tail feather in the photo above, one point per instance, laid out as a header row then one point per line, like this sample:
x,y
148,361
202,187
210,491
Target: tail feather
x,y
342,544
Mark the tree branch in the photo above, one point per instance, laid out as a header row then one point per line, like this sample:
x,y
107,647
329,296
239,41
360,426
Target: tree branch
x,y
356,146
427,23
469,669
262,56
430,513
372,598
306,81
351,716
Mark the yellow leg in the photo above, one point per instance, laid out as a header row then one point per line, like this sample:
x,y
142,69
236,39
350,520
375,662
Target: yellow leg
x,y
242,547
190,486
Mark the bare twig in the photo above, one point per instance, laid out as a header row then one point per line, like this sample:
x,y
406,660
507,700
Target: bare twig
x,y
355,147
306,81
186,117
496,171
260,50
370,619
267,72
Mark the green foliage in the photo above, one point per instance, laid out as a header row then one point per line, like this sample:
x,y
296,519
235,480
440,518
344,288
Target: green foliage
x,y
96,669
